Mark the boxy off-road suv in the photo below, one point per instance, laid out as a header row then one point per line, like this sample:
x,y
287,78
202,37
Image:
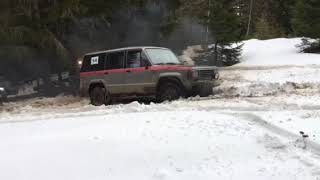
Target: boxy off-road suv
x,y
142,72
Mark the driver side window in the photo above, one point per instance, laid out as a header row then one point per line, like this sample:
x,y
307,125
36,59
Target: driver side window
x,y
134,59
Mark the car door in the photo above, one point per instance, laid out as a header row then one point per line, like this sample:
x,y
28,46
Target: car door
x,y
114,72
138,76
92,71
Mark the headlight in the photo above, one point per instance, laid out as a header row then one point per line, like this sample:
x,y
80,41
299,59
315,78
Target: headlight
x,y
1,89
216,75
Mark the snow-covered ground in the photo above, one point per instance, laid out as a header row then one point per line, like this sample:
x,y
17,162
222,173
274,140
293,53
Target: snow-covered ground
x,y
249,130
276,52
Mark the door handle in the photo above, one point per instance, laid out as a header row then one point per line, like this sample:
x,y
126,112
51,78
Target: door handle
x,y
128,71
106,73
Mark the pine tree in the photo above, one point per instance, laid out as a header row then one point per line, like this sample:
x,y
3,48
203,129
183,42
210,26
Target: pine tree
x,y
266,19
34,31
284,15
265,29
275,15
306,22
224,23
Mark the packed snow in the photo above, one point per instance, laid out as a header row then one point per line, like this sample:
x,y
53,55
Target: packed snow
x,y
262,123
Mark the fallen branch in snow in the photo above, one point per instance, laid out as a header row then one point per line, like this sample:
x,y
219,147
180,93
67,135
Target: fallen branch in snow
x,y
304,137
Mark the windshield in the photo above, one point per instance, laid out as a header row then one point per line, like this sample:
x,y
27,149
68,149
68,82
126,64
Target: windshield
x,y
162,56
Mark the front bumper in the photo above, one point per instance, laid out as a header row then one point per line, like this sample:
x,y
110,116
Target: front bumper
x,y
204,88
212,83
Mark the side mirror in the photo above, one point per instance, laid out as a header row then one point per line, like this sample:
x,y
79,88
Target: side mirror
x,y
146,63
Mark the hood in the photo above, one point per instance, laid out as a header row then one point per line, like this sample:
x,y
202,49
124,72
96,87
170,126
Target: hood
x,y
199,68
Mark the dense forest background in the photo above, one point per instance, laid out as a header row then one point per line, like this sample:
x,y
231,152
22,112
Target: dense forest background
x,y
39,37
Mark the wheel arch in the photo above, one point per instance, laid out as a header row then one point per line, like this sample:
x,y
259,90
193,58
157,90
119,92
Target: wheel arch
x,y
96,84
170,79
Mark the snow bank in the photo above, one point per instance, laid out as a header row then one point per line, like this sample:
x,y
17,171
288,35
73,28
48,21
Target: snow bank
x,y
276,52
60,102
273,52
269,81
270,68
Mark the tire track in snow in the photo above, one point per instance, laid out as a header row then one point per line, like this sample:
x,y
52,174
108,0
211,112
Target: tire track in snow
x,y
311,146
198,104
310,159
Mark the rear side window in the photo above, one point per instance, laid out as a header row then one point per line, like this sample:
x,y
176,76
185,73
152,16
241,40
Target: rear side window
x,y
115,60
93,63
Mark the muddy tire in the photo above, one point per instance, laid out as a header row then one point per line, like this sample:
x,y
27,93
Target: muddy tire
x,y
206,90
98,96
169,92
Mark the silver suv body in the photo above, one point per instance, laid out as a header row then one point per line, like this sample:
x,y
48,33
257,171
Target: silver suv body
x,y
142,71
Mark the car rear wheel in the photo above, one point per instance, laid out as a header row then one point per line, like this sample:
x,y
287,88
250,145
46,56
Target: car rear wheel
x,y
98,96
169,92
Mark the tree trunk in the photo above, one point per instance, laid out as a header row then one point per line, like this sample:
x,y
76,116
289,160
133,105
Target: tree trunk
x,y
216,54
250,17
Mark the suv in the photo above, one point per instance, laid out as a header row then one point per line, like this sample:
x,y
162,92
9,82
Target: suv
x,y
142,72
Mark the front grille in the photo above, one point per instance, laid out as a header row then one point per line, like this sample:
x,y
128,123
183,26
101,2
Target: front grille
x,y
206,74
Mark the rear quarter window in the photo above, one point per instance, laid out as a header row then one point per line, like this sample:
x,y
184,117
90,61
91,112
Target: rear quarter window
x,y
93,63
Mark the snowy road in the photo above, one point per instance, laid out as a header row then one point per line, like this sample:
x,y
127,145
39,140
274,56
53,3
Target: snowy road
x,y
249,130
199,139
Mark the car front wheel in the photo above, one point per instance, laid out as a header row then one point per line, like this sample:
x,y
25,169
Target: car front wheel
x,y
169,92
